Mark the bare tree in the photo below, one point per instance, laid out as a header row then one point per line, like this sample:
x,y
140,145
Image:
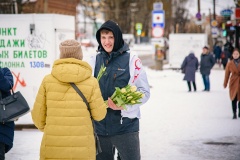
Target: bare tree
x,y
181,17
89,11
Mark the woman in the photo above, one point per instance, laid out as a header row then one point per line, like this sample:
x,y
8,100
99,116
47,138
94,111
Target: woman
x,y
61,113
232,73
6,129
190,65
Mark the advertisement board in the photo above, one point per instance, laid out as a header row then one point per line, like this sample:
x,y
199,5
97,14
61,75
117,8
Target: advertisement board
x,y
29,44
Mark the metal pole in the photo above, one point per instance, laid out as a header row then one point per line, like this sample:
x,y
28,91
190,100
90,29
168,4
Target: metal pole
x,y
138,39
210,17
214,14
210,31
199,10
199,7
15,7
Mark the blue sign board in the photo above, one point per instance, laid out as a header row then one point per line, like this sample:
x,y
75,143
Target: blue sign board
x,y
226,12
158,18
157,6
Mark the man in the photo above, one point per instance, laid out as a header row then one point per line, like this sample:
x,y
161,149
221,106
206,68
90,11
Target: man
x,y
206,64
120,128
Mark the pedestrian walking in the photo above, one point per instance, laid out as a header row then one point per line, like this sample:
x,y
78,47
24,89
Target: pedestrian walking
x,y
120,128
229,47
232,75
61,114
7,128
206,64
190,66
217,53
224,57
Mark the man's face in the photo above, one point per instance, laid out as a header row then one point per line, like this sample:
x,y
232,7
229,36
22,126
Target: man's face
x,y
205,50
107,41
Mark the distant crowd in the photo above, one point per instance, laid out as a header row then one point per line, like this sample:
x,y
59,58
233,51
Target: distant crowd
x,y
228,57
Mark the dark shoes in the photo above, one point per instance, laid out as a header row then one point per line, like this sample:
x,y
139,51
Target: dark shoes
x,y
206,90
235,116
191,90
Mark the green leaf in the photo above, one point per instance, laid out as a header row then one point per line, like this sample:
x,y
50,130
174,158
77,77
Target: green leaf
x,y
119,101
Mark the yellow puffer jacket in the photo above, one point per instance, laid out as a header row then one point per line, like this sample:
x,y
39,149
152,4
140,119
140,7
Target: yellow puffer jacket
x,y
62,114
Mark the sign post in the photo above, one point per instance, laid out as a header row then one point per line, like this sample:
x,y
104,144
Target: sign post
x,y
158,18
157,6
158,24
138,28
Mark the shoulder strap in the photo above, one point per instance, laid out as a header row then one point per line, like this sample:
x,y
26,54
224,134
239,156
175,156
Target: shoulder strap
x,y
81,95
99,150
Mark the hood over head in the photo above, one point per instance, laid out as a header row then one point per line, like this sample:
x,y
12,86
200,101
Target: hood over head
x,y
112,26
71,70
191,55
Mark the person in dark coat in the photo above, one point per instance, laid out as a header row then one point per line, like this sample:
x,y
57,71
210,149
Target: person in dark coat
x,y
224,57
232,78
217,52
6,129
120,128
229,47
206,64
190,66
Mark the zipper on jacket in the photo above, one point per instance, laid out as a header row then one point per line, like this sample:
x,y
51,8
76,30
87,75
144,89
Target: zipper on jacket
x,y
121,120
114,77
105,77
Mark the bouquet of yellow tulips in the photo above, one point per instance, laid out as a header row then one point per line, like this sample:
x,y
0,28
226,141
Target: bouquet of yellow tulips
x,y
127,95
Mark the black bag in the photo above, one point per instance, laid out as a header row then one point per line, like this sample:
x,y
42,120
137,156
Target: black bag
x,y
98,146
12,107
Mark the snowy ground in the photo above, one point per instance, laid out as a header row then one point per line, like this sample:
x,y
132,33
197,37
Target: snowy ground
x,y
175,124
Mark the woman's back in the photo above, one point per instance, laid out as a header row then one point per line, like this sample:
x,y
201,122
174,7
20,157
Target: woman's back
x,y
62,114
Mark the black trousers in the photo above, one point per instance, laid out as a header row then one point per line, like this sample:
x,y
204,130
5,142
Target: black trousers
x,y
2,151
128,146
234,105
189,85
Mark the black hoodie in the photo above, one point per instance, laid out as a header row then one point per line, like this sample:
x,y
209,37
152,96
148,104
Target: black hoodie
x,y
117,75
117,33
